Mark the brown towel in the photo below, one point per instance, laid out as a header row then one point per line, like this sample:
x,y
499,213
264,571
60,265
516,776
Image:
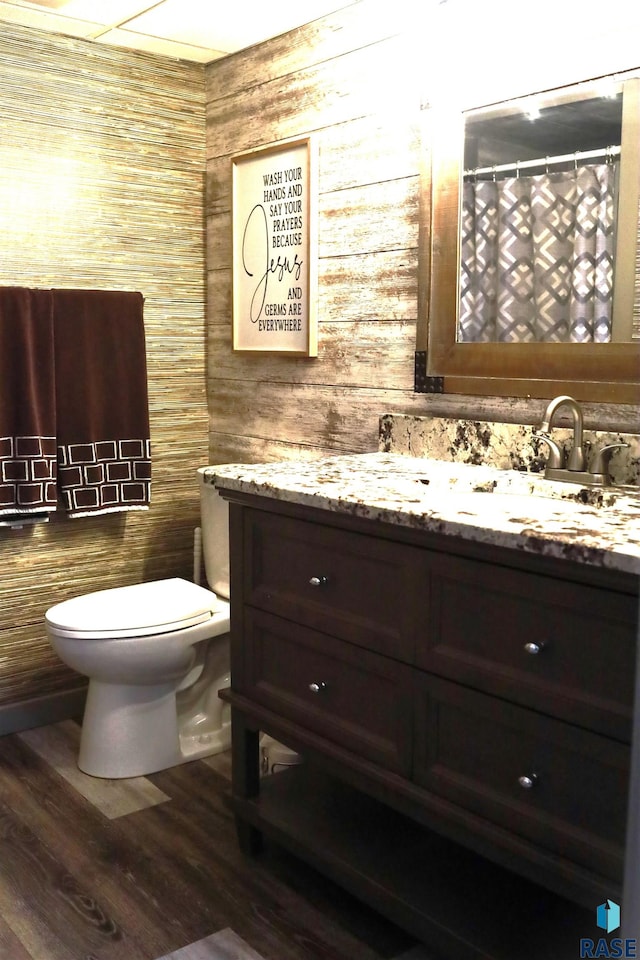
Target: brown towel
x,y
27,403
104,462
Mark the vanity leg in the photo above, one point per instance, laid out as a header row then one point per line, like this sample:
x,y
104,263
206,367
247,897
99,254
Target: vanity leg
x,y
249,838
245,778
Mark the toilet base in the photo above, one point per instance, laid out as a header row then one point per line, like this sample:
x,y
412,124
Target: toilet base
x,y
205,744
131,731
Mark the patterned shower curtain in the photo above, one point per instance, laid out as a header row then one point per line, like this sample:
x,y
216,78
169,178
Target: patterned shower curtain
x,y
537,257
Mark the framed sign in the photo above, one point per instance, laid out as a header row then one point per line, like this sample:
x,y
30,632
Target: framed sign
x,y
274,249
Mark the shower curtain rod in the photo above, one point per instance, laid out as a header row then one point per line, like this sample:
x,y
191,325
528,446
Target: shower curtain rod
x,y
518,165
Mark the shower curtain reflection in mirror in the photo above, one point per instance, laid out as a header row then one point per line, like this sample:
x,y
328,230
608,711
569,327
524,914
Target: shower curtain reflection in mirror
x,y
537,256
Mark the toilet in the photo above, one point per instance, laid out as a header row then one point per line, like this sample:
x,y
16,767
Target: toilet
x,y
156,655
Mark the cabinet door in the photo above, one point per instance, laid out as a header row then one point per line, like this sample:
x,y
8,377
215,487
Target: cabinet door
x,y
359,588
561,787
563,648
353,698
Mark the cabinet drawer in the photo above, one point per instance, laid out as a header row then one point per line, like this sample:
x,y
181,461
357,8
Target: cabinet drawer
x,y
474,749
359,588
353,698
486,622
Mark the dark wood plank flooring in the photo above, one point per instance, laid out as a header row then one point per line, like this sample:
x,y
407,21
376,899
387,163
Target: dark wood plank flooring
x,y
75,885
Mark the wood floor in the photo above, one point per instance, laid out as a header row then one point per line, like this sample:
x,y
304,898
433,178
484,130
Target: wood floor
x,y
150,868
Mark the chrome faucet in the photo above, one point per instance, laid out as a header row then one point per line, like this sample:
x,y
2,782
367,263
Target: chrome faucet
x,y
576,456
574,470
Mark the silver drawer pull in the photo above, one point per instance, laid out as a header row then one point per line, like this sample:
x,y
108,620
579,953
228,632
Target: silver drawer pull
x,y
317,687
527,782
318,581
534,648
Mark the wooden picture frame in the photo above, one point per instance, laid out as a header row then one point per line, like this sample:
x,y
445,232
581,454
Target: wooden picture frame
x,y
274,243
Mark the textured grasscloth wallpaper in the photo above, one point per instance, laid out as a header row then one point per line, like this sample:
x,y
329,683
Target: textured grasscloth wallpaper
x,y
101,186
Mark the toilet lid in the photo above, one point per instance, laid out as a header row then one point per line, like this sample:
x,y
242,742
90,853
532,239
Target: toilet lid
x,y
155,607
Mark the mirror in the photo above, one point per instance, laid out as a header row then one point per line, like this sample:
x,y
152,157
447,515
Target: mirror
x,y
516,320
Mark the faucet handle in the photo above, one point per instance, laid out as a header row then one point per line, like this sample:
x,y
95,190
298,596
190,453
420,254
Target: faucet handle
x,y
600,460
575,460
554,460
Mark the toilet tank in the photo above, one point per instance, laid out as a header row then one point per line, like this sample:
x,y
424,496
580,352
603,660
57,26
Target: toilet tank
x,y
214,514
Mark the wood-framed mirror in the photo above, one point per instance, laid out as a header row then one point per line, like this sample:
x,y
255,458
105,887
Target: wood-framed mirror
x,y
472,142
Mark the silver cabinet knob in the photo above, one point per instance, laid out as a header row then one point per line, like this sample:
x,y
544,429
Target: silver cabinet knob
x,y
317,687
318,581
534,648
527,782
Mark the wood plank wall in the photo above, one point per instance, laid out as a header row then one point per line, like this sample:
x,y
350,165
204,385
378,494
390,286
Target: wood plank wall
x,y
102,186
354,85
311,81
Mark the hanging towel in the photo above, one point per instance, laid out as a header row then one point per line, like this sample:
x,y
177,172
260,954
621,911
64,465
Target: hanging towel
x,y
27,403
104,462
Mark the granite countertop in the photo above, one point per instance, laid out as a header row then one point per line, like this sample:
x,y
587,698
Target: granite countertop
x,y
522,511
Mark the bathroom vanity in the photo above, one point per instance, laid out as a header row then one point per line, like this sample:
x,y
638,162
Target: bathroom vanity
x,y
452,651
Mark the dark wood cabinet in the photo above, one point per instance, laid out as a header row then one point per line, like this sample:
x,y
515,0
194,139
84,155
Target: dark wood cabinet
x,y
544,639
354,587
552,783
481,698
351,696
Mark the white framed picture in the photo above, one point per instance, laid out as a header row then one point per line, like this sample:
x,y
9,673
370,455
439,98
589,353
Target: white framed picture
x,y
274,209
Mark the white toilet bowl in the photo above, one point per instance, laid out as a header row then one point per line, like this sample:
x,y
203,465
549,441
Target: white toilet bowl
x,y
154,669
156,655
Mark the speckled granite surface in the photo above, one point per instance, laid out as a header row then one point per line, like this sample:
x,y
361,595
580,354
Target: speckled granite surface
x,y
508,446
518,510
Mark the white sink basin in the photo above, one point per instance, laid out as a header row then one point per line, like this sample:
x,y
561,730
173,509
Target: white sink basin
x,y
471,481
515,505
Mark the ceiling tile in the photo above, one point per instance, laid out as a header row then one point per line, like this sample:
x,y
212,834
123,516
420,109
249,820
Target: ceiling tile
x,y
43,20
51,4
241,24
109,12
166,48
199,30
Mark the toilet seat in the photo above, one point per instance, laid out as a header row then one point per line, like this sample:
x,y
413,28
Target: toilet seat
x,y
140,610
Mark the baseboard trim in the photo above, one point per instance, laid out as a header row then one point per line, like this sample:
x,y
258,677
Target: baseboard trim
x,y
39,711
